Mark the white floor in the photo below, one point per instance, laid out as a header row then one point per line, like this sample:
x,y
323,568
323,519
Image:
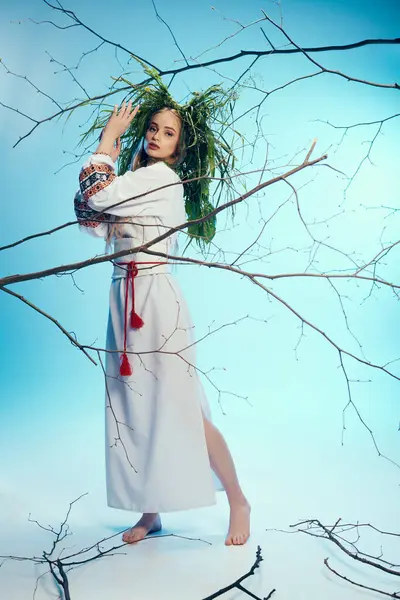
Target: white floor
x,y
171,567
283,490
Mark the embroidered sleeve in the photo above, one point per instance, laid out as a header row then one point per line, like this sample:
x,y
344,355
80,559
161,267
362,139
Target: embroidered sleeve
x,y
94,174
86,216
132,194
94,178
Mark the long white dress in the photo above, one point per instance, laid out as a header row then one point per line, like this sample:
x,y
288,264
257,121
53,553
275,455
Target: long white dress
x,y
156,453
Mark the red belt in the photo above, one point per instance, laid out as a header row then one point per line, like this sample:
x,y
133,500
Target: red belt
x,y
136,321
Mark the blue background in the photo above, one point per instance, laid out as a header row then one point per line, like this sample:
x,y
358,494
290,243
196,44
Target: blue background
x,y
287,436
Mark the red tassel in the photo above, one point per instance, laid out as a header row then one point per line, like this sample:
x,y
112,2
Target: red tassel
x,y
136,321
125,368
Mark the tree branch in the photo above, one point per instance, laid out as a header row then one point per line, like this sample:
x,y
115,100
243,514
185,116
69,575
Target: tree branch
x,y
71,338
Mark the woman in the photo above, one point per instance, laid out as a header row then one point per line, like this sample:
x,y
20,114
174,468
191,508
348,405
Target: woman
x,y
160,439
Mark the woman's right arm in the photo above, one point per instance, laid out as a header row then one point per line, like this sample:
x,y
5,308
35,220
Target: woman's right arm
x,y
132,194
98,172
90,221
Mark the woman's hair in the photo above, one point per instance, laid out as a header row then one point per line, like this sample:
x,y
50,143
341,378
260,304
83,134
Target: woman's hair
x,y
204,159
140,158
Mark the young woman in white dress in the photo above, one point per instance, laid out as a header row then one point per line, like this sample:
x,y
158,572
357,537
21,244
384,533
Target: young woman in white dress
x,y
160,441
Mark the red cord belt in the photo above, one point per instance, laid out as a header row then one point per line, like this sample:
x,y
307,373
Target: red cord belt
x,y
136,321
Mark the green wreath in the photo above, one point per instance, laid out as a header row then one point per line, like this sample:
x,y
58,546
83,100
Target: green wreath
x,y
206,152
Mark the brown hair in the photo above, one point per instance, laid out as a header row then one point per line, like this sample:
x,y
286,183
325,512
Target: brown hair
x,y
140,158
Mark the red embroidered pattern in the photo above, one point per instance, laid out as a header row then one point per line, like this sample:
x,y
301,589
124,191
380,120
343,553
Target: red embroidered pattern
x,y
89,223
86,216
95,178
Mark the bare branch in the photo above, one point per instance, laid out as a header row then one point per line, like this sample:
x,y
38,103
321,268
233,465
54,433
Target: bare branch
x,y
77,21
37,235
170,30
365,587
70,72
331,71
59,567
116,420
39,91
331,535
238,583
244,53
71,338
100,259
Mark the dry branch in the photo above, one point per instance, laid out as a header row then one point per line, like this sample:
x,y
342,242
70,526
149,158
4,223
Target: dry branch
x,y
336,535
59,566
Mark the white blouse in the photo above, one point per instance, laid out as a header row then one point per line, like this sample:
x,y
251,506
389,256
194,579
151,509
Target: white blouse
x,y
149,200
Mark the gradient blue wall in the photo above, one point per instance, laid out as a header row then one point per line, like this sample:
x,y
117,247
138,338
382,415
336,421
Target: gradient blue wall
x,y
52,397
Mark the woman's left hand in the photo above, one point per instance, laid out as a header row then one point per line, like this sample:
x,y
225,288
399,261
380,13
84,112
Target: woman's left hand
x,y
120,120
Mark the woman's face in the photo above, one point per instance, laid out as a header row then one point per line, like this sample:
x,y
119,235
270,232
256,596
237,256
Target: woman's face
x,y
162,136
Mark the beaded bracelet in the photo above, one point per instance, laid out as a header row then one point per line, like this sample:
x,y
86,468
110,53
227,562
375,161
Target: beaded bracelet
x,y
106,154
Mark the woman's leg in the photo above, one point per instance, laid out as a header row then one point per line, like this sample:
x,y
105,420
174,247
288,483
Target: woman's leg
x,y
222,463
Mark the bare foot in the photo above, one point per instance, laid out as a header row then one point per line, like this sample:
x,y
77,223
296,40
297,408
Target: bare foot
x,y
148,523
239,525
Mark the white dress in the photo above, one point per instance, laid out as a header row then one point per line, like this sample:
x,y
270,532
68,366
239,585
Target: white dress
x,y
156,453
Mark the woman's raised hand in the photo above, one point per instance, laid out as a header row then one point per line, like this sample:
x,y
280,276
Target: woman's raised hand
x,y
120,120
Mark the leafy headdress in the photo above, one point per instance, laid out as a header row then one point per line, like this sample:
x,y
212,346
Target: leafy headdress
x,y
204,151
